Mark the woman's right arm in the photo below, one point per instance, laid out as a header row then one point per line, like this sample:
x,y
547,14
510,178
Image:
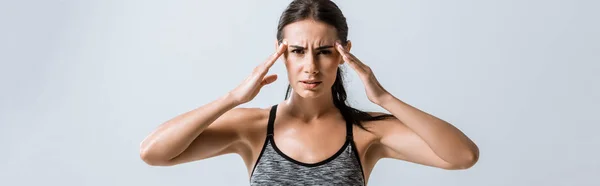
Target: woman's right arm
x,y
179,140
210,130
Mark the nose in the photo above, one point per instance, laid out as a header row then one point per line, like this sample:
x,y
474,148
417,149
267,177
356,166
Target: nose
x,y
310,67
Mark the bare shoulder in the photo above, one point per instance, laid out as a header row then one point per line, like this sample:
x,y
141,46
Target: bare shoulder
x,y
245,113
251,120
380,127
392,133
369,142
375,130
246,119
251,130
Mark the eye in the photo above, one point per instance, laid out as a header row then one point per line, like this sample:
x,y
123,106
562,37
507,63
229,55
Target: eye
x,y
326,52
298,51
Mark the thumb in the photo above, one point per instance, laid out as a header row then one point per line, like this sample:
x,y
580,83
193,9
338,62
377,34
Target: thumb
x,y
268,79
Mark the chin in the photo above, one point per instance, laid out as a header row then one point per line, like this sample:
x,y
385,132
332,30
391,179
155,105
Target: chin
x,y
308,93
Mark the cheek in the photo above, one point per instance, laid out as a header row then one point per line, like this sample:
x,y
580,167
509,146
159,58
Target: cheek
x,y
330,67
333,59
329,62
293,65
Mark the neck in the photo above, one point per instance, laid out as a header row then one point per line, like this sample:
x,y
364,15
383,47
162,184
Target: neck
x,y
308,109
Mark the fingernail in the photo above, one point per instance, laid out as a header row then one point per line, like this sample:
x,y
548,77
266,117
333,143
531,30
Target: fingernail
x,y
284,42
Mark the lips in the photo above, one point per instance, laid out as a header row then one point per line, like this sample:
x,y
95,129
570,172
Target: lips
x,y
310,84
311,81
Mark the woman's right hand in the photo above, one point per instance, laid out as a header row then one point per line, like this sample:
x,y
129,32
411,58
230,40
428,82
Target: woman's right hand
x,y
250,87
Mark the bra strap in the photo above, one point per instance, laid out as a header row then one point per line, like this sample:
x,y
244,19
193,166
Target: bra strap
x,y
349,135
271,120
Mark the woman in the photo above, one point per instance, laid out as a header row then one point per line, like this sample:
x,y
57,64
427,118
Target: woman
x,y
312,137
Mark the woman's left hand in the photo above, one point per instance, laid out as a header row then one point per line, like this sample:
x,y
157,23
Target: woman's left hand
x,y
375,92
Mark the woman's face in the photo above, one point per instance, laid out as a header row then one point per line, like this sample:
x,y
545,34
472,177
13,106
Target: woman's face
x,y
311,59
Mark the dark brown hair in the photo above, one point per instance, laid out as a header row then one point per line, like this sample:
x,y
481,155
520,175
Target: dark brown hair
x,y
327,12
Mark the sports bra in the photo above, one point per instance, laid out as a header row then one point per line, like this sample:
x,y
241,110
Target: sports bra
x,y
273,167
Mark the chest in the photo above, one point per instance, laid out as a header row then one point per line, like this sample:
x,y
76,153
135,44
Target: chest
x,y
273,166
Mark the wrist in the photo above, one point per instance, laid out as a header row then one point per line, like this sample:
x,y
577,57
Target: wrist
x,y
385,99
229,100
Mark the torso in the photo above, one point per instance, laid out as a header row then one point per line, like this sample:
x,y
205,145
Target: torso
x,y
309,142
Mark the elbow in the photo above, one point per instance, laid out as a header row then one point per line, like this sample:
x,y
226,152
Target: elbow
x,y
461,160
152,158
466,161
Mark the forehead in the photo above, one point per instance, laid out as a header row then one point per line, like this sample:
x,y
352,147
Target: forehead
x,y
309,32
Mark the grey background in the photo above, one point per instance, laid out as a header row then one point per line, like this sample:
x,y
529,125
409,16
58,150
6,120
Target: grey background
x,y
83,82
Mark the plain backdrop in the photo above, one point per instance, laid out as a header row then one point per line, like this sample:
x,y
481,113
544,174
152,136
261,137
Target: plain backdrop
x,y
83,82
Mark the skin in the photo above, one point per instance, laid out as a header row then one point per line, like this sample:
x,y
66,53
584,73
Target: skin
x,y
308,127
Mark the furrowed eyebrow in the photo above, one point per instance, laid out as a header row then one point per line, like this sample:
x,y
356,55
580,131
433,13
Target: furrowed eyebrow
x,y
297,47
324,47
319,48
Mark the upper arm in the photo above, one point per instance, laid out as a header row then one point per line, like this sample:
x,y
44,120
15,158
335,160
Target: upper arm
x,y
223,136
398,141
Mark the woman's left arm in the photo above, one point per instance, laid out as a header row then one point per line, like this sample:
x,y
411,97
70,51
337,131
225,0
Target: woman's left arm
x,y
427,135
415,135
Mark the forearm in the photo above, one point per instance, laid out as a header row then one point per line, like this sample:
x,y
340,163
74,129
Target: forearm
x,y
174,136
445,140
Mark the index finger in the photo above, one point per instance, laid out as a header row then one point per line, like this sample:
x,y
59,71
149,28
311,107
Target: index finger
x,y
341,49
280,50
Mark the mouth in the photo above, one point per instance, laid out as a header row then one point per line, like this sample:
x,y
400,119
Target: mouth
x,y
310,84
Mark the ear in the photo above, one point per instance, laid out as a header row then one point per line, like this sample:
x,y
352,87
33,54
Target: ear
x,y
348,45
276,45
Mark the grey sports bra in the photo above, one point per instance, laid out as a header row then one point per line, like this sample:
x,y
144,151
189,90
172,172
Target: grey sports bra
x,y
273,167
